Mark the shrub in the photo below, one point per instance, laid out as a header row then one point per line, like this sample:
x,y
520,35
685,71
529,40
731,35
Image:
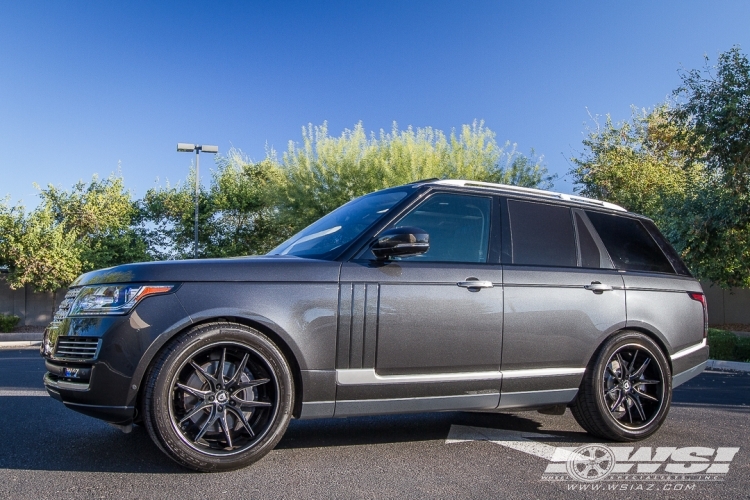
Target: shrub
x,y
8,322
721,344
742,349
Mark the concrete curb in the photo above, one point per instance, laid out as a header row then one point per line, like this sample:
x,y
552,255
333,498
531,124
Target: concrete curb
x,y
735,366
14,337
20,344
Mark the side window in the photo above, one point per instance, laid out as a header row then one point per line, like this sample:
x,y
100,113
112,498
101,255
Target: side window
x,y
541,234
458,225
629,244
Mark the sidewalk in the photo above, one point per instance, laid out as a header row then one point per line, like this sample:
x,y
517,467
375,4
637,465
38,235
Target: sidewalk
x,y
21,340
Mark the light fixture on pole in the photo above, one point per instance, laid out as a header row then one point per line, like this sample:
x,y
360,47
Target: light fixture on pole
x,y
189,148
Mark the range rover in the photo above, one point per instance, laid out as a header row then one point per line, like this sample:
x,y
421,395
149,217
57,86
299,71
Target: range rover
x,y
442,295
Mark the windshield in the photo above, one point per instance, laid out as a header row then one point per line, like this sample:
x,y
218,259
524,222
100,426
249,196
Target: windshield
x,y
323,238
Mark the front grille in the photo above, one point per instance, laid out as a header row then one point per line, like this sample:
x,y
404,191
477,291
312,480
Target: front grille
x,y
62,311
84,348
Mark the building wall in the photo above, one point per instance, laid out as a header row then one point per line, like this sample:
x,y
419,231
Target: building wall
x,y
34,308
727,306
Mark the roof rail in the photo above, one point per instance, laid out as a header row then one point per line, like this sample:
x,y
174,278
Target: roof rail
x,y
531,191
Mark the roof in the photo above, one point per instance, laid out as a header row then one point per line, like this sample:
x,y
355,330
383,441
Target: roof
x,y
529,191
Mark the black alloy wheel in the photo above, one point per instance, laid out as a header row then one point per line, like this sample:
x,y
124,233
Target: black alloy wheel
x,y
626,391
219,397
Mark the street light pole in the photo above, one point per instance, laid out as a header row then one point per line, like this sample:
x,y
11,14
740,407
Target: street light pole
x,y
189,148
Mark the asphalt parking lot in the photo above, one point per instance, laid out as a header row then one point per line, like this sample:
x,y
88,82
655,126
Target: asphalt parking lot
x,y
49,451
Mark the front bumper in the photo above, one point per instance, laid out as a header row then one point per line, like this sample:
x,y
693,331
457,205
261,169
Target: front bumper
x,y
104,381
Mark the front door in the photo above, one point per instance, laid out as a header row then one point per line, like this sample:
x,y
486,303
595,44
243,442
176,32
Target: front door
x,y
429,325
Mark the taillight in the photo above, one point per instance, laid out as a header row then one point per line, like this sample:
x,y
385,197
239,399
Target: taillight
x,y
702,299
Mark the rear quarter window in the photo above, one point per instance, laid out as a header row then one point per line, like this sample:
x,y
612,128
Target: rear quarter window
x,y
629,244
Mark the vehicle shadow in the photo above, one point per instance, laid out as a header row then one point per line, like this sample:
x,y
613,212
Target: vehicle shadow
x,y
38,433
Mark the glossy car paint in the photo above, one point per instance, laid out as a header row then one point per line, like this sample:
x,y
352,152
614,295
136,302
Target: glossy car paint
x,y
364,337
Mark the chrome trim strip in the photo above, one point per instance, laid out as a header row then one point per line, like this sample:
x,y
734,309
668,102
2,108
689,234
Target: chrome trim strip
x,y
542,372
689,350
368,376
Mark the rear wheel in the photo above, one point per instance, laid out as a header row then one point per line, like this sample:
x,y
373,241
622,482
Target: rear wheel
x,y
218,398
626,391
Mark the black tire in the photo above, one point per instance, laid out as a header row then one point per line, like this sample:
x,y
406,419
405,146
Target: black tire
x,y
210,422
626,390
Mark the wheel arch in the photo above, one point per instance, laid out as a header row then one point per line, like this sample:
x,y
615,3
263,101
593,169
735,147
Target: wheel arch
x,y
653,334
277,335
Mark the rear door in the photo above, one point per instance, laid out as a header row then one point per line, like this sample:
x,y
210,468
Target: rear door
x,y
562,297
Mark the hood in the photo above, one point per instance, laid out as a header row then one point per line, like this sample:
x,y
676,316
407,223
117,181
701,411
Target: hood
x,y
263,268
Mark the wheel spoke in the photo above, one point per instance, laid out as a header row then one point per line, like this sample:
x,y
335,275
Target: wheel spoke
x,y
613,373
623,366
618,402
225,427
238,372
609,392
204,374
249,405
647,396
244,421
210,420
193,391
642,369
251,383
638,406
220,369
632,363
194,411
644,382
627,407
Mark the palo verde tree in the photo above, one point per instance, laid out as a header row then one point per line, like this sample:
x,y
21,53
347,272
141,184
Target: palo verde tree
x,y
324,172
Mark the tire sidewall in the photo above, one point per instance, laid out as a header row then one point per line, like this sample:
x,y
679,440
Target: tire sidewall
x,y
182,351
608,349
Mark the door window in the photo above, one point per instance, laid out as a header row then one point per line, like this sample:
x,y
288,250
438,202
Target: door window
x,y
458,225
541,234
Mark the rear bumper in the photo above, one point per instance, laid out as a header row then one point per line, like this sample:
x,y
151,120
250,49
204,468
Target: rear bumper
x,y
689,363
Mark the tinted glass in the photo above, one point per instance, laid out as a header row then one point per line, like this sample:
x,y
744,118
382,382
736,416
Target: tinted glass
x,y
542,234
326,237
629,244
590,255
458,225
667,248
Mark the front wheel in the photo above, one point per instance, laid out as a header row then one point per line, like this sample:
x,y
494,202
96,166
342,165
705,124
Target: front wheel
x,y
218,398
626,391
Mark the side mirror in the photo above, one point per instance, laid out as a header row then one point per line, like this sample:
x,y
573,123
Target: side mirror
x,y
401,242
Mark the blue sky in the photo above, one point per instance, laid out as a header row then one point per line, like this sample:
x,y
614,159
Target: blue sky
x,y
85,85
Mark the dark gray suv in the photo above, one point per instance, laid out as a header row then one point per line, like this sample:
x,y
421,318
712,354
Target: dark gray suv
x,y
438,295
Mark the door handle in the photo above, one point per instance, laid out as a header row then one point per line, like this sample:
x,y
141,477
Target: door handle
x,y
475,284
597,287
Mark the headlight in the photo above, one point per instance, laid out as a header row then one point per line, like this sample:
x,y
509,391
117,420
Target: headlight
x,y
99,300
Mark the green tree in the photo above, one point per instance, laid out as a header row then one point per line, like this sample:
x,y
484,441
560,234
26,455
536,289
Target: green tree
x,y
324,172
687,167
100,214
237,212
37,250
716,104
637,164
